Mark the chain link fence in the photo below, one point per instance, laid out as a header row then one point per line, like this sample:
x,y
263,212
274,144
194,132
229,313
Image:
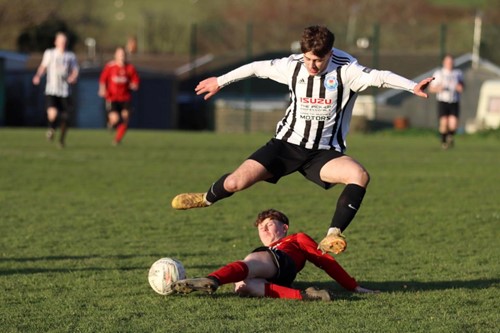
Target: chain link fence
x,y
225,39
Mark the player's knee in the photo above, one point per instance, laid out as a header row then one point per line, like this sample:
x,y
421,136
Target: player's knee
x,y
114,122
232,184
52,114
365,177
360,177
124,116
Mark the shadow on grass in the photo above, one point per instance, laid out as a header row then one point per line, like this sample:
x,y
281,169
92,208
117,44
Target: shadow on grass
x,y
385,286
68,257
409,286
96,256
79,265
26,271
391,286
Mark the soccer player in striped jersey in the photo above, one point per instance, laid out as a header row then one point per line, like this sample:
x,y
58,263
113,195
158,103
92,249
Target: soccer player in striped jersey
x,y
448,86
311,138
270,270
62,71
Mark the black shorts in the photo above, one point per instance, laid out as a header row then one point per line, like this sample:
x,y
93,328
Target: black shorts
x,y
62,104
282,158
118,106
286,266
448,109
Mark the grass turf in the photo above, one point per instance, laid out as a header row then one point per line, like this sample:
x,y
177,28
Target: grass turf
x,y
81,226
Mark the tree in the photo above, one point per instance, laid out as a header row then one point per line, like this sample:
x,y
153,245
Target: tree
x,y
39,37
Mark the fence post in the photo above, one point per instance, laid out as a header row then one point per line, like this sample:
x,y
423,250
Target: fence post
x,y
193,49
248,83
375,55
442,41
2,91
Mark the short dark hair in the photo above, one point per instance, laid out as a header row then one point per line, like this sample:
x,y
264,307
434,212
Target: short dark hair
x,y
317,39
273,214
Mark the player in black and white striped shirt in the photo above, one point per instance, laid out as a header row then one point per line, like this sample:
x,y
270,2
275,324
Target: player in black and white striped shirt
x,y
62,70
323,83
448,86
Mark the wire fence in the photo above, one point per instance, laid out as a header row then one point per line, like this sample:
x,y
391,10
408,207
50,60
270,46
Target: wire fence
x,y
243,39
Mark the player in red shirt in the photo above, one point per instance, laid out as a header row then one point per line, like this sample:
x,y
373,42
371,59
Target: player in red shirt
x,y
270,270
117,80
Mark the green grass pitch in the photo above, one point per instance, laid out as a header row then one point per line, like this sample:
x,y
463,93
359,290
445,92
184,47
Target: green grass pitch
x,y
81,226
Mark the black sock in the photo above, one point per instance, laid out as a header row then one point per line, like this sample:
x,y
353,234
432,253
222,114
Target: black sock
x,y
347,206
213,278
443,137
217,191
64,129
52,125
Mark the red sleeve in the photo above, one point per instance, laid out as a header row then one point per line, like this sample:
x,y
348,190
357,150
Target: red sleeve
x,y
325,262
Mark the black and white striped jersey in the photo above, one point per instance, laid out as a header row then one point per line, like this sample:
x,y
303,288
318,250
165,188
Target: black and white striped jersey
x,y
320,109
449,80
59,66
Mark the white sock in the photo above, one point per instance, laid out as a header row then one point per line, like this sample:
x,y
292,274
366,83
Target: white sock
x,y
333,230
205,199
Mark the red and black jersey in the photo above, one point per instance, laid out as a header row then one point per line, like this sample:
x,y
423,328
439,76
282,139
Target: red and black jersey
x,y
301,248
117,80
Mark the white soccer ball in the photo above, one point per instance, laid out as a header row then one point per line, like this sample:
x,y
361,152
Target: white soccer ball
x,y
163,272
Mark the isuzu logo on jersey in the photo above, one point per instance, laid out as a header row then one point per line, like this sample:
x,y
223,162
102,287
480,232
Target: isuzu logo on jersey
x,y
331,84
315,108
313,100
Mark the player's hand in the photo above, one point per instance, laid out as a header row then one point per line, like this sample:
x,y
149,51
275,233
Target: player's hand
x,y
362,290
36,80
208,86
419,89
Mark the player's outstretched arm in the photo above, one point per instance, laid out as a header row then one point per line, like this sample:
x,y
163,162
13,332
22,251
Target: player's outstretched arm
x,y
208,86
419,89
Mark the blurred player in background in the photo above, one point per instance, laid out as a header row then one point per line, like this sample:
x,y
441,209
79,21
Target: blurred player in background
x,y
117,80
448,85
62,71
270,270
310,138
